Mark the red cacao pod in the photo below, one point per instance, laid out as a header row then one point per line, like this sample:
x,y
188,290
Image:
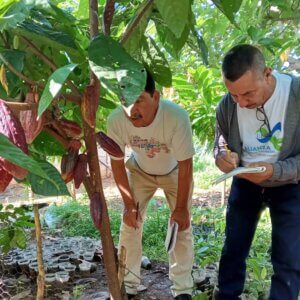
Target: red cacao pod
x,y
96,209
31,125
68,163
74,144
5,179
71,128
109,145
80,171
10,126
89,103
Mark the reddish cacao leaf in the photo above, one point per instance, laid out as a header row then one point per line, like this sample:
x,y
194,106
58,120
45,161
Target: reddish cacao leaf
x,y
5,179
109,145
80,171
96,209
11,127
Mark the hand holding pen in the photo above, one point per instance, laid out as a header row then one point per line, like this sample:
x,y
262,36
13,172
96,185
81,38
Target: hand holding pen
x,y
232,156
227,160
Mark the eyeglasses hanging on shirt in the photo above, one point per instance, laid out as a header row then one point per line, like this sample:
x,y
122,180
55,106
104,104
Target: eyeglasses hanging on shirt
x,y
264,129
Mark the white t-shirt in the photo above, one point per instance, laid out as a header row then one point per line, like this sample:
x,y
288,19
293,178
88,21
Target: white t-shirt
x,y
157,147
257,147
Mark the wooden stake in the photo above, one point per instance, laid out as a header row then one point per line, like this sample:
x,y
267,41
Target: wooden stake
x,y
39,251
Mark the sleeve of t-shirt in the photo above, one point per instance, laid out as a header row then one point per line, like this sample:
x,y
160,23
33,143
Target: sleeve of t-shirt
x,y
115,130
182,141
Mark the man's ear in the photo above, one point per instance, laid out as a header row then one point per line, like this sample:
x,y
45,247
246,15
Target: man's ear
x,y
156,95
268,73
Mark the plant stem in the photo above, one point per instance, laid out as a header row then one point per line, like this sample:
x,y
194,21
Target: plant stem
x,y
130,29
21,106
19,74
108,16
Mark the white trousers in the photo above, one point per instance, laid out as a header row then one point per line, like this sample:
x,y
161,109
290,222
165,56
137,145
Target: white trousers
x,y
143,187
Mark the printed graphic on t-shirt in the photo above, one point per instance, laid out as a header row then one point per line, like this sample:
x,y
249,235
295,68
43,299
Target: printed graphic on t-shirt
x,y
151,146
263,136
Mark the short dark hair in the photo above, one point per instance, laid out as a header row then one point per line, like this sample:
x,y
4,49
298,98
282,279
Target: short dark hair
x,y
241,59
150,84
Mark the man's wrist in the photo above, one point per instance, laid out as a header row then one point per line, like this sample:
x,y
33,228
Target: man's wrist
x,y
181,207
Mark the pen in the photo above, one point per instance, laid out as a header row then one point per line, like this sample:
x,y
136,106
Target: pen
x,y
226,148
228,152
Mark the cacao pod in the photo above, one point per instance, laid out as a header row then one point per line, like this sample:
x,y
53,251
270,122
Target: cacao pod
x,y
109,145
74,144
68,163
90,102
31,125
96,209
71,128
11,127
5,179
80,170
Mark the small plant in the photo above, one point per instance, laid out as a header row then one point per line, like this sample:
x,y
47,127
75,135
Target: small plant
x,y
13,224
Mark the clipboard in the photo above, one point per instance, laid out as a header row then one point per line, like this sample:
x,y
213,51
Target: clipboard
x,y
239,170
171,237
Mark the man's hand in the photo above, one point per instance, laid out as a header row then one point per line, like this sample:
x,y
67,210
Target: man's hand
x,y
182,217
131,216
258,177
227,161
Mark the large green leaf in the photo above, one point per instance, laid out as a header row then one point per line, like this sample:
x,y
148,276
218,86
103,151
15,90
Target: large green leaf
x,y
134,42
15,155
43,187
54,85
12,13
170,42
156,62
48,36
175,14
228,7
116,69
47,145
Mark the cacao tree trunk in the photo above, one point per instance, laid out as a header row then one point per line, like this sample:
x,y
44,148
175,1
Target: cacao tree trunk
x,y
93,184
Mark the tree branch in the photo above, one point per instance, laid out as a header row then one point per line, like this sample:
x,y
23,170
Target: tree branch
x,y
108,14
20,75
64,142
20,106
71,97
131,27
49,62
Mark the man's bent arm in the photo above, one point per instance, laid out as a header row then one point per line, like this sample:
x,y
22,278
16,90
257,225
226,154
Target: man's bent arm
x,y
121,179
185,175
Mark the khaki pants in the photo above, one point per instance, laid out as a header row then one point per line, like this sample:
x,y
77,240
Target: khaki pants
x,y
143,187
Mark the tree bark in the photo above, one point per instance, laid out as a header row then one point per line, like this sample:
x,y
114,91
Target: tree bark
x,y
93,183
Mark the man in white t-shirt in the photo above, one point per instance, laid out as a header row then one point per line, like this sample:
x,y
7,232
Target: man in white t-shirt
x,y
159,134
258,124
